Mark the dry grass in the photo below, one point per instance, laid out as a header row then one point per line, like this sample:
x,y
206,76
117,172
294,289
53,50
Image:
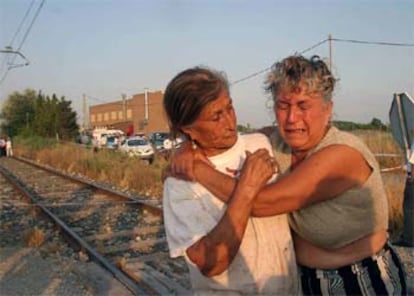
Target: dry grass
x,y
394,186
130,174
106,166
383,143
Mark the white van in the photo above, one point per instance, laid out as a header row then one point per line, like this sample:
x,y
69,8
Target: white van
x,y
102,133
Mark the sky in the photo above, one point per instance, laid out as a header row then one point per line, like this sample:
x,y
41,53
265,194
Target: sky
x,y
105,48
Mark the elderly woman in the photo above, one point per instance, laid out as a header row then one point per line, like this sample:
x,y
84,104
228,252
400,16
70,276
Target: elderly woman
x,y
329,182
227,251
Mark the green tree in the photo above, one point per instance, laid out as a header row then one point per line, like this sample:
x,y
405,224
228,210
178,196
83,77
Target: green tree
x,y
37,114
377,124
68,128
18,112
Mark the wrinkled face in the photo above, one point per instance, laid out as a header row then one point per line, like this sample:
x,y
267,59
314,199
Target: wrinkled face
x,y
302,118
215,129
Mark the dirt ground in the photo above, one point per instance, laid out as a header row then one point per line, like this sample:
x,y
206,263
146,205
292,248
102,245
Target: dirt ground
x,y
27,271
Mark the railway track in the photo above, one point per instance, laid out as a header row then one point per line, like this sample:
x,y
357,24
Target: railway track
x,y
122,233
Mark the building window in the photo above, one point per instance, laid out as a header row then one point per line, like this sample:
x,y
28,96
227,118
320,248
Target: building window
x,y
93,117
113,115
106,116
129,113
99,117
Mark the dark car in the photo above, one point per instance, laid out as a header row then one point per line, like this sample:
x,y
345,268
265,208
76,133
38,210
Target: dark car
x,y
112,142
157,139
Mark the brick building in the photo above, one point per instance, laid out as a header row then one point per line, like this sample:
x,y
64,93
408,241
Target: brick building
x,y
141,113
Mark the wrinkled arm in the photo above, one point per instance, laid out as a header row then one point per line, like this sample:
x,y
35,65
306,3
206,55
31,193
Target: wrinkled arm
x,y
214,252
322,176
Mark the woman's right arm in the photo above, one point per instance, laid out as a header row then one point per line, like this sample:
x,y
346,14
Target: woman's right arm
x,y
322,176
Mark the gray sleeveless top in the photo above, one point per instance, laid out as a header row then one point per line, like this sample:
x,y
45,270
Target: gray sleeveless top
x,y
347,217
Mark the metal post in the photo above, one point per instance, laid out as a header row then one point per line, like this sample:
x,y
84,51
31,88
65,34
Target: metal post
x,y
146,104
330,52
84,111
124,106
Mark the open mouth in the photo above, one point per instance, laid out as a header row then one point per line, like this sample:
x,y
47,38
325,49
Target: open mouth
x,y
297,131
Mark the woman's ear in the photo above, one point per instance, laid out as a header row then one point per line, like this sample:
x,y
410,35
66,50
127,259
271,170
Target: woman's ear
x,y
188,131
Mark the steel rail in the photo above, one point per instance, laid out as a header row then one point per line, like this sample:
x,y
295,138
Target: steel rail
x,y
143,202
116,272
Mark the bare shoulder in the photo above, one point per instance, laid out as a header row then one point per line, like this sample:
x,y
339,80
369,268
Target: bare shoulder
x,y
340,151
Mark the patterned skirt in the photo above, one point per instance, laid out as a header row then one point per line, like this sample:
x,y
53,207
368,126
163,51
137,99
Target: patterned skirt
x,y
380,274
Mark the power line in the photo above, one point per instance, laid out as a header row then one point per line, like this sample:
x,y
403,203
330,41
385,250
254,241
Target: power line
x,y
313,46
268,68
373,42
31,24
320,43
250,76
21,23
23,40
7,58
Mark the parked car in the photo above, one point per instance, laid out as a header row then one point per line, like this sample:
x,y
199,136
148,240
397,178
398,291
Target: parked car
x,y
111,142
139,147
158,138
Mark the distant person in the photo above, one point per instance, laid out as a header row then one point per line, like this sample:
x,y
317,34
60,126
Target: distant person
x,y
116,142
329,181
407,237
95,144
227,251
9,148
2,147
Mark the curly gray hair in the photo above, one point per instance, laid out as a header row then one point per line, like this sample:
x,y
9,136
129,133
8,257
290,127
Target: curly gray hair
x,y
297,74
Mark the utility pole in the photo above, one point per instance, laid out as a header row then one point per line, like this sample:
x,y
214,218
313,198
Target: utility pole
x,y
84,111
124,109
146,104
330,52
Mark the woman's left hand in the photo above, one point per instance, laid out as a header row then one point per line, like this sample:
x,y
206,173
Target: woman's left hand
x,y
258,168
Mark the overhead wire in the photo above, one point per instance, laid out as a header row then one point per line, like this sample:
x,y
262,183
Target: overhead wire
x,y
373,42
7,57
22,22
323,41
31,24
23,41
268,68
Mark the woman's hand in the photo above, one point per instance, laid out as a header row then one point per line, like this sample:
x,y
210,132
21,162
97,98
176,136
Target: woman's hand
x,y
182,162
258,168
